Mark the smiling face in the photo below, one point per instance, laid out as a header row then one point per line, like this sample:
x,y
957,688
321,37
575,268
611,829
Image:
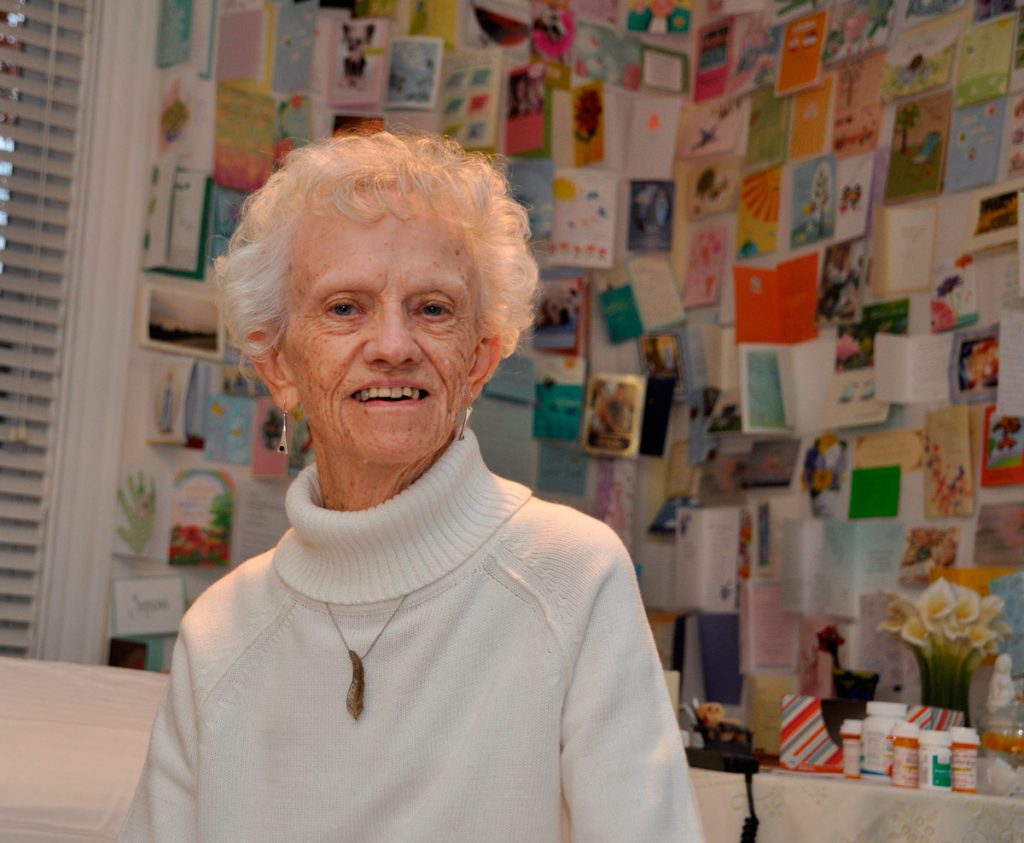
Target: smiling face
x,y
382,349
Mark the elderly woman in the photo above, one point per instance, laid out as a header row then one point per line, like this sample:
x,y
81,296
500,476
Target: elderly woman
x,y
430,653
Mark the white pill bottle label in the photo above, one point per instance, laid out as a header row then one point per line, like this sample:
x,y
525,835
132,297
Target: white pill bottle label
x,y
876,747
936,768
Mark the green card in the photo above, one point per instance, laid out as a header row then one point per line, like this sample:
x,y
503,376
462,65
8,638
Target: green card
x,y
875,492
621,313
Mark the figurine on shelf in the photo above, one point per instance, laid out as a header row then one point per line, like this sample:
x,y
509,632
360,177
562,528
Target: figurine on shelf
x,y
1000,687
846,684
717,731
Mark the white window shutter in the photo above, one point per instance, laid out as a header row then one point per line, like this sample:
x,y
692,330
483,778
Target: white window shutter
x,y
41,55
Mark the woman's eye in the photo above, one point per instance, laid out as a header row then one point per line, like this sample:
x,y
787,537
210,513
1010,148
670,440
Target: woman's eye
x,y
343,309
434,310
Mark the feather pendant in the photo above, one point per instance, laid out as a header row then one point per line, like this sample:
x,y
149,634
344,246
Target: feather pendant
x,y
354,700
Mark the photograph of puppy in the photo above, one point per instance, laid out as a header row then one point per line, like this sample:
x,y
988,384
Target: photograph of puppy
x,y
357,63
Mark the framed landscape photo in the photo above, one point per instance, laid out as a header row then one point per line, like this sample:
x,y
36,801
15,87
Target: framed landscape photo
x,y
181,321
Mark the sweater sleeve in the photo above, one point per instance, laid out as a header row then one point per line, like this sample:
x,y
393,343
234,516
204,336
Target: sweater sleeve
x,y
624,772
164,805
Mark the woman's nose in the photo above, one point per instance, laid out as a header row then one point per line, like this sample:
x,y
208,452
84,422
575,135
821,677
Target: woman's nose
x,y
392,340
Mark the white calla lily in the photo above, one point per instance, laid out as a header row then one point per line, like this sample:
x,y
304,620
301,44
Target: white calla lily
x,y
968,605
914,632
936,602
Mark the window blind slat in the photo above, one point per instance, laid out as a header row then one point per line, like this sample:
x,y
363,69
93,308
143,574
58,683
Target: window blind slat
x,y
18,584
29,87
52,291
69,70
38,361
19,385
41,313
41,35
19,410
21,160
31,462
35,137
18,560
23,485
24,111
15,638
22,536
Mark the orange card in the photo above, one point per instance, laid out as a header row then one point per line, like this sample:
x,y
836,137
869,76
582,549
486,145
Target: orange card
x,y
777,305
800,53
810,121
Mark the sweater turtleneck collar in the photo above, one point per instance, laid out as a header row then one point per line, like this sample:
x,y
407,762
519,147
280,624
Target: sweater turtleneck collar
x,y
405,543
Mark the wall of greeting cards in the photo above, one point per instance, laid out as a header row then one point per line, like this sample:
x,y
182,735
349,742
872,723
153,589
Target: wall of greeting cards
x,y
779,242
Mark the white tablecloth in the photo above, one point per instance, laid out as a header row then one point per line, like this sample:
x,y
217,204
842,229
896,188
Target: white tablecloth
x,y
806,808
73,739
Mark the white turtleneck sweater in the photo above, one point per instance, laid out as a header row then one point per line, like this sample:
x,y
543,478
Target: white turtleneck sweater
x,y
515,696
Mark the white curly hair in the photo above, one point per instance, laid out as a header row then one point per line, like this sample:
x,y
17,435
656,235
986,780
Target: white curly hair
x,y
365,177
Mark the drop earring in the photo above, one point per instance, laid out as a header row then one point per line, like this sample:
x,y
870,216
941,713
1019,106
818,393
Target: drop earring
x,y
282,446
465,421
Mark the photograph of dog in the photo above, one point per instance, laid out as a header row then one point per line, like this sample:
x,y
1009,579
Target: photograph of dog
x,y
357,64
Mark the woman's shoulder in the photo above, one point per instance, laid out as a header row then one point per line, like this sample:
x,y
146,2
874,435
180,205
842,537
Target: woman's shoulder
x,y
542,527
229,615
568,554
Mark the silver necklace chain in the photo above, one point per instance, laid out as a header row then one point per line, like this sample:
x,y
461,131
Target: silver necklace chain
x,y
356,689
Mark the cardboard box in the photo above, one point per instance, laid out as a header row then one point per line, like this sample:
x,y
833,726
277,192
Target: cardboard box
x,y
810,740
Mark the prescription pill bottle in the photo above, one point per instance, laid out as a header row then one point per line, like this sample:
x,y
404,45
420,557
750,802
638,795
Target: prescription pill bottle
x,y
850,732
905,754
965,759
876,737
935,760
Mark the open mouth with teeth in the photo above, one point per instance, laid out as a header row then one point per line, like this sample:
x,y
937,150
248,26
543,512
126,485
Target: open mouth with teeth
x,y
392,393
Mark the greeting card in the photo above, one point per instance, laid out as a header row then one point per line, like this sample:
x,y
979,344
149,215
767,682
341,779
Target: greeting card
x,y
600,52
954,294
294,31
526,127
712,68
651,137
843,279
554,29
414,73
810,120
853,182
1012,149
948,483
814,202
532,184
228,429
713,128
800,53
919,141
757,228
584,218
707,265
658,17
927,550
985,54
755,57
768,129
858,113
561,313
650,216
471,90
245,138
559,396
857,27
588,117
202,512
916,11
356,61
920,59
975,135
1002,458
712,187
